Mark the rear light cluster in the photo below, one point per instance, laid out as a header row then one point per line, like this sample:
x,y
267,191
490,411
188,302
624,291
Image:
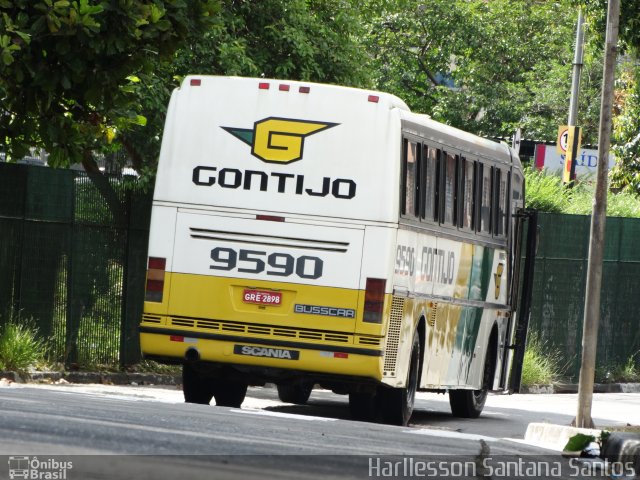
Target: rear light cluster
x,y
155,279
374,300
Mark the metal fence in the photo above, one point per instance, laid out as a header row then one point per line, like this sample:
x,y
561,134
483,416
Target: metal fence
x,y
559,286
72,259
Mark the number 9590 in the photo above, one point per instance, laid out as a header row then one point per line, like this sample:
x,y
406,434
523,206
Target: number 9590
x,y
276,264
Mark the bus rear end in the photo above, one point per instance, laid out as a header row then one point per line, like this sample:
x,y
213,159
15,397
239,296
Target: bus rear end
x,y
272,221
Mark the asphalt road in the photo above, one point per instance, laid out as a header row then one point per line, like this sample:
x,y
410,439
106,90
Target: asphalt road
x,y
129,432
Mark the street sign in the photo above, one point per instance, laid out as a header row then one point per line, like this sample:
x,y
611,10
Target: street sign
x,y
563,139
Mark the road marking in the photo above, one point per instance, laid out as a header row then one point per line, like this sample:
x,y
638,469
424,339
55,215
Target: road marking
x,y
286,415
449,434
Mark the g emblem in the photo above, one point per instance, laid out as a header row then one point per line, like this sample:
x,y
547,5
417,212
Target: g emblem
x,y
278,140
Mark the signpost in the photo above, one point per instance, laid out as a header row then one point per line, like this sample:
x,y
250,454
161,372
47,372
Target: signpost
x,y
569,140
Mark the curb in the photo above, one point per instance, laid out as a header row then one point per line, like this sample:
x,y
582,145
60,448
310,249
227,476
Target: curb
x,y
108,378
573,388
619,448
552,436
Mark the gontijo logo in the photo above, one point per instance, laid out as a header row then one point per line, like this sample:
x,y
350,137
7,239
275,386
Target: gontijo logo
x,y
278,140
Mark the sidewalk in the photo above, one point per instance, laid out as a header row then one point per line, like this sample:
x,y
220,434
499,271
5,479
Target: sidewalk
x,y
106,378
573,388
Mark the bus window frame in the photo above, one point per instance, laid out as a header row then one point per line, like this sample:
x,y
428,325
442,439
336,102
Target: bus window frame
x,y
465,194
449,219
431,166
416,190
483,166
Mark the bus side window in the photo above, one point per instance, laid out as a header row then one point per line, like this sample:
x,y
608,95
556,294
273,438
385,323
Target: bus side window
x,y
430,160
437,196
419,187
500,202
485,198
450,180
507,209
468,194
409,173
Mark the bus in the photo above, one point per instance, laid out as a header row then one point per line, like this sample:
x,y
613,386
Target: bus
x,y
305,235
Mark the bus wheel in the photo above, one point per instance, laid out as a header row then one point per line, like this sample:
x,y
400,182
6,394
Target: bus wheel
x,y
196,387
363,406
397,403
467,403
297,393
229,393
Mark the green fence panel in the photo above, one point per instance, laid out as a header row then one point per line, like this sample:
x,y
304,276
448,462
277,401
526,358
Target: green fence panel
x,y
559,290
50,194
67,242
42,274
10,254
13,189
73,255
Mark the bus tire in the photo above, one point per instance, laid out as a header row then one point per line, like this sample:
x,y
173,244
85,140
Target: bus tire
x,y
363,406
297,393
397,403
229,393
469,403
196,387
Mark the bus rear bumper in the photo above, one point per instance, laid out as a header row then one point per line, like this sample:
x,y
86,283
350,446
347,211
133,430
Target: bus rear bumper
x,y
187,345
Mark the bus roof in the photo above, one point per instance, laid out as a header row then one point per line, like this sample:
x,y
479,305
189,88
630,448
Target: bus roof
x,y
425,126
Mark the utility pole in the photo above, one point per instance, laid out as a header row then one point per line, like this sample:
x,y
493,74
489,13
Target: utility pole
x,y
598,219
573,139
577,70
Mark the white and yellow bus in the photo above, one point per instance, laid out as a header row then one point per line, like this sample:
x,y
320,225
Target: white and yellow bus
x,y
307,234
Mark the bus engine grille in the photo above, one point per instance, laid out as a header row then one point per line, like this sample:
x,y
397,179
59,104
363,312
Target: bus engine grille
x,y
266,330
393,336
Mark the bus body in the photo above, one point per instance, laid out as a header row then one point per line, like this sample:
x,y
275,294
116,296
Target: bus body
x,y
314,234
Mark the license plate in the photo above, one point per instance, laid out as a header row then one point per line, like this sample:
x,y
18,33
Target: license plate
x,y
261,297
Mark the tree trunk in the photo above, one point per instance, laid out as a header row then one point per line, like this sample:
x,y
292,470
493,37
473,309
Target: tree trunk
x,y
105,188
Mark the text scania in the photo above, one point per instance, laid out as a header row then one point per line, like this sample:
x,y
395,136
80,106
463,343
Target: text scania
x,y
279,353
287,183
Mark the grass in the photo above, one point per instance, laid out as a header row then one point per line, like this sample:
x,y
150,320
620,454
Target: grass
x,y
620,373
546,193
541,365
20,347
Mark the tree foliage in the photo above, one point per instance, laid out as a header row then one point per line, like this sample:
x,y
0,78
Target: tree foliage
x,y
67,68
626,115
509,62
296,39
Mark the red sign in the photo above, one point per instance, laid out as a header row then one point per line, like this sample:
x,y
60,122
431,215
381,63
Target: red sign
x,y
261,297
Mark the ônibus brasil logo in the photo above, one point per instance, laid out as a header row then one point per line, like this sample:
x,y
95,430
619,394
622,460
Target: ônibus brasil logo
x,y
278,140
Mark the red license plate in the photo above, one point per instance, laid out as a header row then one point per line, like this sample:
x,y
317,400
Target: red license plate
x,y
261,297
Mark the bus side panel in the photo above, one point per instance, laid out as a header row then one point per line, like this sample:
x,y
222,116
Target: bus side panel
x,y
377,262
161,241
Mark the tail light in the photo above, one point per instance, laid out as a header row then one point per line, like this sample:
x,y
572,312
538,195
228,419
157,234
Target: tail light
x,y
155,279
374,300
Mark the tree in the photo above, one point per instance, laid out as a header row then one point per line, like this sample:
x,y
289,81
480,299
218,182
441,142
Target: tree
x,y
68,69
486,67
626,119
294,39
